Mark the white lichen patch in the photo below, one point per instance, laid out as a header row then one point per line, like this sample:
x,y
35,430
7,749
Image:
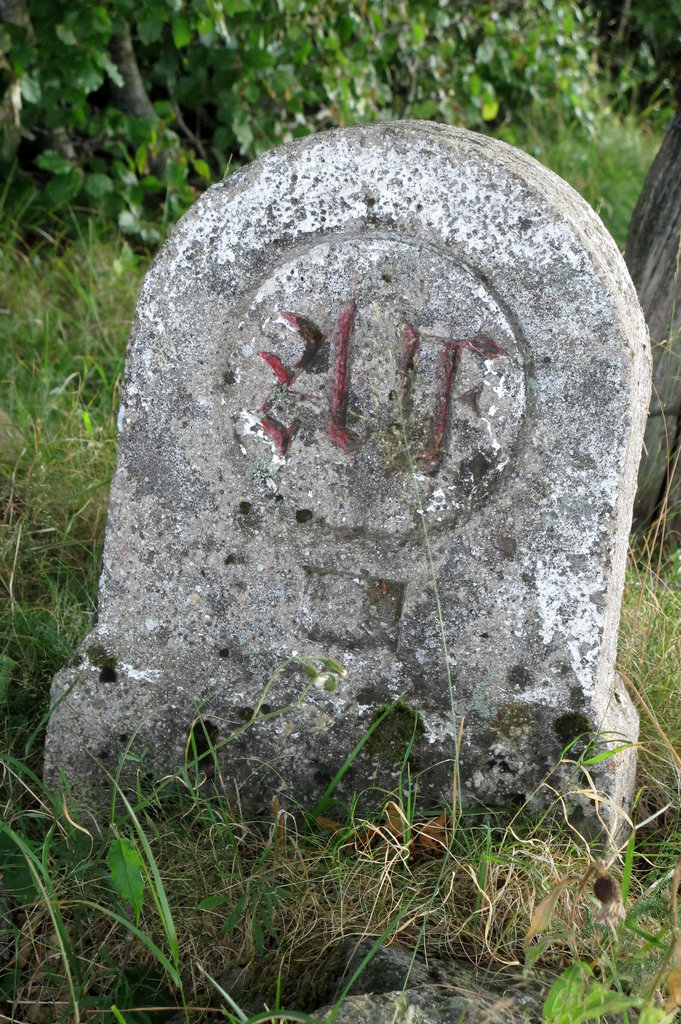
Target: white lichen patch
x,y
569,615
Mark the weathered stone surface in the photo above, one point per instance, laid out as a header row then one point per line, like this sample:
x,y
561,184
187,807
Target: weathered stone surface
x,y
431,1004
358,336
397,986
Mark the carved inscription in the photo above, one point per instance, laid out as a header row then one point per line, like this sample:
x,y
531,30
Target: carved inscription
x,y
340,341
355,610
450,359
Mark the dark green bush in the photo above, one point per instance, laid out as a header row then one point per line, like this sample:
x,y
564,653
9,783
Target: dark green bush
x,y
223,80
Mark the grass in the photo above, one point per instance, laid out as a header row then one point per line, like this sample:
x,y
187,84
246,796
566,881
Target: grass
x,y
175,909
63,328
607,165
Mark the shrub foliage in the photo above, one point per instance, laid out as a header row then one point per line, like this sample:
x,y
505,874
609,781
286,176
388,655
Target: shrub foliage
x,y
122,104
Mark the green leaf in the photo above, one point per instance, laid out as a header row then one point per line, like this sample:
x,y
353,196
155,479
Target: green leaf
x,y
51,161
230,7
575,997
125,865
211,902
150,31
182,32
158,891
490,109
475,85
98,185
258,935
202,168
655,1015
30,89
244,137
104,61
63,188
232,921
565,995
66,35
605,754
141,158
601,1001
88,78
425,110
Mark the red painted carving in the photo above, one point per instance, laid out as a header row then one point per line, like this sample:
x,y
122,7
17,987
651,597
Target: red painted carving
x,y
283,373
449,360
449,363
311,335
337,429
407,363
312,338
280,434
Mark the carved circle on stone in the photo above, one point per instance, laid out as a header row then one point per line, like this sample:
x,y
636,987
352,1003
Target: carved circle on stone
x,y
328,323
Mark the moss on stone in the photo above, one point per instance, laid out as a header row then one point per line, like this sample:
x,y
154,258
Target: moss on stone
x,y
568,727
510,719
100,658
398,734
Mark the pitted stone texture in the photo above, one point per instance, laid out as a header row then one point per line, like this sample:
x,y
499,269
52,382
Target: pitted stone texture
x,y
384,401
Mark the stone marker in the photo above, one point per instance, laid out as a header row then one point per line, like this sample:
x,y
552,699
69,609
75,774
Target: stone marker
x,y
385,387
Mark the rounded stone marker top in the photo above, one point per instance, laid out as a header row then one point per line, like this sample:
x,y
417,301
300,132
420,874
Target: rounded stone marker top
x,y
362,334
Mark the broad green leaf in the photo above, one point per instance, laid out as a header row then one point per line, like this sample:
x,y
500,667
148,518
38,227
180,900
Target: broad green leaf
x,y
600,1000
141,158
97,185
656,1015
104,61
202,168
125,865
258,935
66,35
150,31
30,89
51,161
425,110
490,109
230,7
565,995
63,188
88,78
182,32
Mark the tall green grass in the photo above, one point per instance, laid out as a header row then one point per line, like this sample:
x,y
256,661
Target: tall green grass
x,y
67,300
